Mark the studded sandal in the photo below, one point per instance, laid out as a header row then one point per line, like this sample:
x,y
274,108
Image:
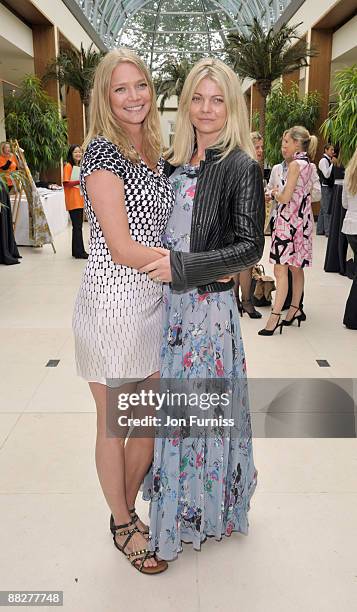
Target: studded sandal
x,y
134,517
137,558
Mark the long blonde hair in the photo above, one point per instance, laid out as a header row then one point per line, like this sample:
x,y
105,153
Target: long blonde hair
x,y
235,132
307,141
351,175
102,119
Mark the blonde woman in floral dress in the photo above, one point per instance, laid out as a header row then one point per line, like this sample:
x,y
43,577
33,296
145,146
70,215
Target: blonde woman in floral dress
x,y
201,485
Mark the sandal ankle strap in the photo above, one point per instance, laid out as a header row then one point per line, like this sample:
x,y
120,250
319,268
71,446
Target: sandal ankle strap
x,y
128,527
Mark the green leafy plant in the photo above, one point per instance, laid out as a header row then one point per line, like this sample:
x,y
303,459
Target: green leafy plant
x,y
76,69
16,176
255,122
171,78
341,124
33,118
284,110
266,55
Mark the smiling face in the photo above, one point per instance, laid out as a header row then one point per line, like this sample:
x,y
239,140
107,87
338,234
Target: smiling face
x,y
208,111
130,97
77,154
289,147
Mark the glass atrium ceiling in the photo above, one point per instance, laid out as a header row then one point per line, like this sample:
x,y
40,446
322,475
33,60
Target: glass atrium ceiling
x,y
177,28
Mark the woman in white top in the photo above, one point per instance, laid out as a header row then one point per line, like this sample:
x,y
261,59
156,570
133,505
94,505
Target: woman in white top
x,y
349,227
118,312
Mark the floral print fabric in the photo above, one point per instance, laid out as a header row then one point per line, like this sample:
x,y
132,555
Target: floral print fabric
x,y
200,486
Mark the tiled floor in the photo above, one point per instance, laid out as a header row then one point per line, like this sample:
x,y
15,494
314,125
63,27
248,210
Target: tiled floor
x,y
301,550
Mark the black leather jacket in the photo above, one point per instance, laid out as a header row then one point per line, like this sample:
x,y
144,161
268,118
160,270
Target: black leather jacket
x,y
227,229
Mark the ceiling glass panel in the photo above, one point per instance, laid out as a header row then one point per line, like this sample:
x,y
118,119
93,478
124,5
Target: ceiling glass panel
x,y
159,28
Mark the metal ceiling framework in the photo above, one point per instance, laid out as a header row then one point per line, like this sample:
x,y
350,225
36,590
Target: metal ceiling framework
x,y
157,28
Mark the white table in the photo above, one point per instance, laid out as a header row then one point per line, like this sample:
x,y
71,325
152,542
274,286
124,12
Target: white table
x,y
56,214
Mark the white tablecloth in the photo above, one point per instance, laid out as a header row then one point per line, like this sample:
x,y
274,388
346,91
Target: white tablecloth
x,y
55,210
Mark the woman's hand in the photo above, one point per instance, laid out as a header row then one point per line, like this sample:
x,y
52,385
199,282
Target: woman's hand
x,y
274,192
159,270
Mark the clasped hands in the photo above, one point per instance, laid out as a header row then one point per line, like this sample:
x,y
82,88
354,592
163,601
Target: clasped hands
x,y
160,269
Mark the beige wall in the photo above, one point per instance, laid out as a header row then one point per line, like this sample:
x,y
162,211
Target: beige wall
x,y
344,39
310,13
15,31
58,14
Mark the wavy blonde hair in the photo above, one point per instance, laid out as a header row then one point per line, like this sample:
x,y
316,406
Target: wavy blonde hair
x,y
307,141
351,175
102,120
235,133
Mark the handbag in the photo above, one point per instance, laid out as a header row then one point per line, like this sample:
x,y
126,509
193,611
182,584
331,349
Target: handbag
x,y
263,286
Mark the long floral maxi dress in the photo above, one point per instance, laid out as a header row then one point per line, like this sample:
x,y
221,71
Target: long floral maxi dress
x,y
199,486
291,241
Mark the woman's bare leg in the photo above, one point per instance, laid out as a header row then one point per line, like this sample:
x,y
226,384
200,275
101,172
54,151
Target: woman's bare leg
x,y
281,277
139,452
110,463
298,278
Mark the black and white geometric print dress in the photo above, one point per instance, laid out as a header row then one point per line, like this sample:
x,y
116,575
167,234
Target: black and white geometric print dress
x,y
117,320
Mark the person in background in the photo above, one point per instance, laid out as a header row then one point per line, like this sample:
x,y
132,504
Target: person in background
x,y
349,227
8,162
74,200
291,246
244,279
326,173
278,177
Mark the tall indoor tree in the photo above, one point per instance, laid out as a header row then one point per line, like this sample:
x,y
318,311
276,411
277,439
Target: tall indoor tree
x,y
74,68
170,79
265,56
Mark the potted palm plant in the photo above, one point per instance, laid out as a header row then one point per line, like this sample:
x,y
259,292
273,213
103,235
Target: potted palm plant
x,y
265,56
76,69
171,78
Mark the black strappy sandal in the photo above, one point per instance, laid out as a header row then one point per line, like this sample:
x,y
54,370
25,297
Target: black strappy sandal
x,y
134,517
137,558
270,332
299,318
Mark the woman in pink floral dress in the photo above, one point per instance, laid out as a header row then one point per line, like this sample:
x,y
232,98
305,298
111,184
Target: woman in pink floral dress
x,y
291,246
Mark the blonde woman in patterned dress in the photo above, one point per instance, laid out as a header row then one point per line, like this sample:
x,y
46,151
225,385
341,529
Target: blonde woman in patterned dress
x,y
291,246
117,316
202,481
